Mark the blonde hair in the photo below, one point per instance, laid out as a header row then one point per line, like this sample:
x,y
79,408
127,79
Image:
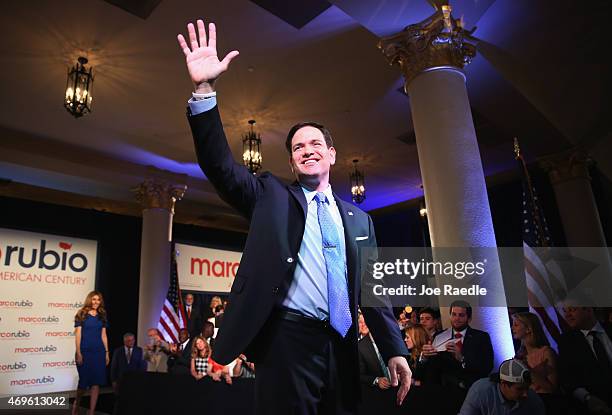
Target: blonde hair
x,y
537,338
86,308
419,337
194,349
215,299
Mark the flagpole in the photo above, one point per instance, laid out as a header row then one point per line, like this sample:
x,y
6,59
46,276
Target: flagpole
x,y
534,208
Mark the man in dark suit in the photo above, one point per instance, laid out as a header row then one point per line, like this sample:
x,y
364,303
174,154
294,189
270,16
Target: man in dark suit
x,y
430,320
293,304
585,360
126,358
460,354
193,316
372,369
179,362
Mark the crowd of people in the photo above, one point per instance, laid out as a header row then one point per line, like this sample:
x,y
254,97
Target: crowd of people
x,y
574,379
192,353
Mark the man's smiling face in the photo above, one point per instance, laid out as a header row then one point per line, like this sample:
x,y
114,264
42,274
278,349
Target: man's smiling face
x,y
311,159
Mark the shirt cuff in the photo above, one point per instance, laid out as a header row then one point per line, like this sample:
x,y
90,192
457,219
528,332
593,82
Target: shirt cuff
x,y
580,394
200,106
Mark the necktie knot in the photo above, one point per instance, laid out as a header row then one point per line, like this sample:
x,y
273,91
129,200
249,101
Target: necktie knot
x,y
321,198
458,335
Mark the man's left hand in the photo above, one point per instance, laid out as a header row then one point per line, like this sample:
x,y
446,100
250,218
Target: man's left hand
x,y
398,368
456,351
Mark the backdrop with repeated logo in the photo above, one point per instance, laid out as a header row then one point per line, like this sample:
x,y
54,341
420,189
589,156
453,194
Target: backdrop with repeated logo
x,y
44,280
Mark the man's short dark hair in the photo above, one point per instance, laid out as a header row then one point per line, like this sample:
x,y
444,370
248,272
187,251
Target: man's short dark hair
x,y
326,134
434,313
462,304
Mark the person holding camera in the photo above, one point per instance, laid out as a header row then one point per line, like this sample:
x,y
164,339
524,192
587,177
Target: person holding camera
x,y
156,352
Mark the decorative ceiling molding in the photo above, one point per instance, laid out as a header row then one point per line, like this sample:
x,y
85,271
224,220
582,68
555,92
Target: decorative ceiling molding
x,y
139,8
186,212
297,13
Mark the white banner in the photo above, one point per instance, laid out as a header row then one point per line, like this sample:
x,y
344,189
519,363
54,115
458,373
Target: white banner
x,y
43,281
206,269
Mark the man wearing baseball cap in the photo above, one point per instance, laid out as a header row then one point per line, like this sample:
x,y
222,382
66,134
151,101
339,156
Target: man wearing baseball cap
x,y
506,392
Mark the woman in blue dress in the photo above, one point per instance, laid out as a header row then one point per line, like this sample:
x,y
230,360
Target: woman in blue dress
x,y
91,349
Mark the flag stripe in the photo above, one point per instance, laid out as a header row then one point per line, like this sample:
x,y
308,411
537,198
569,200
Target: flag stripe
x,y
172,316
534,276
550,325
166,332
544,278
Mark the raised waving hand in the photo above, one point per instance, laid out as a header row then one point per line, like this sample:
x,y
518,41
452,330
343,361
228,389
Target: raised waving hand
x,y
201,57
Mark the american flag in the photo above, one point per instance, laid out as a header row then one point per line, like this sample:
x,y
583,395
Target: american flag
x,y
545,280
172,317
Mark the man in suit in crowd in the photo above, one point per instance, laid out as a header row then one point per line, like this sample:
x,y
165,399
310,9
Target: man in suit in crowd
x,y
128,357
293,304
208,332
193,316
373,371
430,320
179,361
467,353
585,360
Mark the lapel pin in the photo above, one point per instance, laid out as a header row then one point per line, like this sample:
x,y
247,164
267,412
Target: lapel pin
x,y
350,213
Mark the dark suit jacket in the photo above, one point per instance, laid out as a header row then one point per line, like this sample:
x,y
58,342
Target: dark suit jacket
x,y
119,364
195,322
277,215
369,365
219,320
181,364
478,359
578,367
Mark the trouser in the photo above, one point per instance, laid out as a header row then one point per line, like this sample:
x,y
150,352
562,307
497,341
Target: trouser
x,y
300,368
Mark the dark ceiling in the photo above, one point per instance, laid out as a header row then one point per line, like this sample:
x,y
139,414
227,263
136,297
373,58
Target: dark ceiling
x,y
542,74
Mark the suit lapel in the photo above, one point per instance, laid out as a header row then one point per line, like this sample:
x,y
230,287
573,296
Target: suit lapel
x,y
468,336
296,191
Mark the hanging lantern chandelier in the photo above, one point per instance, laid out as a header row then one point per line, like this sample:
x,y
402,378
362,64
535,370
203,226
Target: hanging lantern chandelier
x,y
78,89
357,184
251,150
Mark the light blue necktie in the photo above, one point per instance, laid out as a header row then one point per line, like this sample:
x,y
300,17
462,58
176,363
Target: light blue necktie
x,y
337,290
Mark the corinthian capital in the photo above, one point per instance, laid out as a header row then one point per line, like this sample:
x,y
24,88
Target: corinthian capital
x,y
436,42
568,165
155,193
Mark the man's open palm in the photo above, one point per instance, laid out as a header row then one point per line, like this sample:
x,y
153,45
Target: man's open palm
x,y
203,63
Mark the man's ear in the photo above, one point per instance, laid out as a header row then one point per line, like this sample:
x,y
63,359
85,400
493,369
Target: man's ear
x,y
291,165
332,154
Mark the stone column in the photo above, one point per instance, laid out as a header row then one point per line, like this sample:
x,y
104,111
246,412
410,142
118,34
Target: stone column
x,y
431,55
569,176
157,198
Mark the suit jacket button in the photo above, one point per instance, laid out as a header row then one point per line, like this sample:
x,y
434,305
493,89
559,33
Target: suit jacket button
x,y
274,290
289,260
